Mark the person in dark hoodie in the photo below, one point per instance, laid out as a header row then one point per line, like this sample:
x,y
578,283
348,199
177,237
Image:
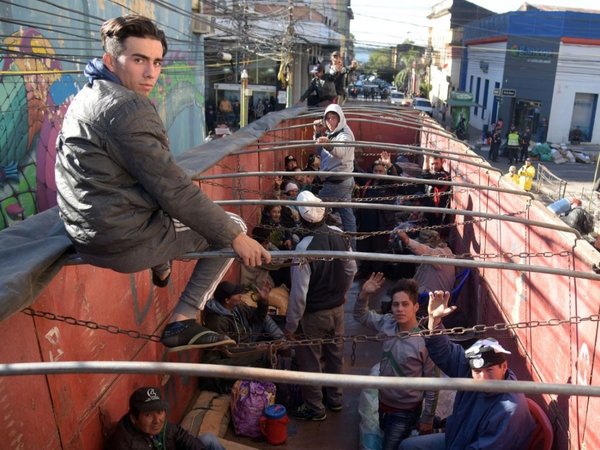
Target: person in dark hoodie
x,y
227,314
123,199
146,426
479,420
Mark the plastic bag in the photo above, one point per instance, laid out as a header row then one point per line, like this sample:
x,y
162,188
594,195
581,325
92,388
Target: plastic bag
x,y
248,401
371,436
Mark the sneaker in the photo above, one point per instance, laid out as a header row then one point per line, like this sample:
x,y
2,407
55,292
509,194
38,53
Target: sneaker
x,y
188,334
306,413
161,276
334,406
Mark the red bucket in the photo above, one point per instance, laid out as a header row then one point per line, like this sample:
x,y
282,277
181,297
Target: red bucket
x,y
273,424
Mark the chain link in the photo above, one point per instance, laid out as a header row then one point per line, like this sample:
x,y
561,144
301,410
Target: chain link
x,y
113,329
273,346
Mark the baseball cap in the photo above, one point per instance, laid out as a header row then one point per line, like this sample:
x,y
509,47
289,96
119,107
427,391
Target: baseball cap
x,y
290,187
312,214
429,237
225,289
148,398
289,158
316,68
486,352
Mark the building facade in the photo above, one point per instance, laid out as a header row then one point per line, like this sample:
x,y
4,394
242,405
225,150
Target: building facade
x,y
536,69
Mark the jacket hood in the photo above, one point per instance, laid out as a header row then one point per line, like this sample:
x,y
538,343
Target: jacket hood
x,y
338,110
96,70
216,307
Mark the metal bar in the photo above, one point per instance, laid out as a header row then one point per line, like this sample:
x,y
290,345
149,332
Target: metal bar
x,y
289,376
372,176
387,257
288,145
426,209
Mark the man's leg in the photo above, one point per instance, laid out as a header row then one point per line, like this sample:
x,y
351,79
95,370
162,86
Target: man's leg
x,y
333,356
435,441
341,192
308,358
396,427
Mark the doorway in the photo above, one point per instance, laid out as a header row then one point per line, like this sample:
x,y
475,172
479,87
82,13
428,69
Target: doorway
x,y
584,110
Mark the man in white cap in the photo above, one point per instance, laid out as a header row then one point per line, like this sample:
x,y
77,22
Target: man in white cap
x,y
315,308
479,420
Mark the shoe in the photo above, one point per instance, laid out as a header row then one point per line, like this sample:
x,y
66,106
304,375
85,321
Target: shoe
x,y
188,334
334,406
159,279
305,413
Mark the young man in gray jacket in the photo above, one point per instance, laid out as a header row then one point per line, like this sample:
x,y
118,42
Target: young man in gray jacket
x,y
124,201
400,410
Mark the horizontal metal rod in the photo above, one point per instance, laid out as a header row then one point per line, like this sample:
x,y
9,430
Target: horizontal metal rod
x,y
290,376
387,257
426,209
373,176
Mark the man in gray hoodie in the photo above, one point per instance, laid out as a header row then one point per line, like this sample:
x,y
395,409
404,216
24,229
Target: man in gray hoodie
x,y
336,158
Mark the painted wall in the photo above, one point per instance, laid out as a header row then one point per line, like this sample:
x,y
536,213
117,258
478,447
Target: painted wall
x,y
485,62
45,47
572,77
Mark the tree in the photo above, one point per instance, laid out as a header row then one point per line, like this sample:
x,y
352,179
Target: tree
x,y
380,63
406,63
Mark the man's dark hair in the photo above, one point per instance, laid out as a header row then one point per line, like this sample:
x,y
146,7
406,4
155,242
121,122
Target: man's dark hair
x,y
114,32
409,286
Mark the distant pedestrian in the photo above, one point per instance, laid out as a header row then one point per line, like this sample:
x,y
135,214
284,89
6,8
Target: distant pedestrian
x,y
524,141
512,146
526,175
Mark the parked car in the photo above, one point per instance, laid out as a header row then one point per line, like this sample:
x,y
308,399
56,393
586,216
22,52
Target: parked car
x,y
423,104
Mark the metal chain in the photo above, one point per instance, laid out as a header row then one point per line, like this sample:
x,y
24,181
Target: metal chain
x,y
90,324
273,346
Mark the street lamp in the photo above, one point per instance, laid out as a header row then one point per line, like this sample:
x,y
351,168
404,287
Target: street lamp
x,y
243,99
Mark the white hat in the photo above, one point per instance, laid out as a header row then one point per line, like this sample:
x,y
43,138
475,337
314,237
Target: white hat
x,y
290,187
312,214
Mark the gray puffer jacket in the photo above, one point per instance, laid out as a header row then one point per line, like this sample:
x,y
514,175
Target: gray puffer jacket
x,y
118,185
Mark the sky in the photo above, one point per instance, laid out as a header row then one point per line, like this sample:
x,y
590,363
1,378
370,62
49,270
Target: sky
x,y
388,22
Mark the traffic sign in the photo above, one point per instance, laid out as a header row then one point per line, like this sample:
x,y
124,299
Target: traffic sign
x,y
497,92
509,92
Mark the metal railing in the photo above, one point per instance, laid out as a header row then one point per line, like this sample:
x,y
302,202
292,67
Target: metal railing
x,y
549,184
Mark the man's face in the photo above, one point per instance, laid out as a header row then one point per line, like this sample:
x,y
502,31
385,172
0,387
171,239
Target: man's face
x,y
379,169
139,66
332,120
275,214
436,165
495,372
234,300
403,309
150,422
291,164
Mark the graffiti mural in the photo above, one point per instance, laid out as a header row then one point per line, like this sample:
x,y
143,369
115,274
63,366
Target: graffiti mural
x,y
34,95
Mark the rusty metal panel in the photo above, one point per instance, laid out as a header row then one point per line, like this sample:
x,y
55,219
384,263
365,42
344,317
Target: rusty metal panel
x,y
26,410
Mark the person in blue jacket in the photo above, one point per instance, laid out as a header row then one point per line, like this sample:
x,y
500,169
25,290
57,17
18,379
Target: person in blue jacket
x,y
479,420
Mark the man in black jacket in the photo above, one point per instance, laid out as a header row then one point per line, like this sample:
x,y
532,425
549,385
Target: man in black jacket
x,y
125,202
145,426
315,308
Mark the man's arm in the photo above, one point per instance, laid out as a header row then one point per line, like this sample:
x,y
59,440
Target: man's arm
x,y
300,275
430,400
142,147
185,441
361,313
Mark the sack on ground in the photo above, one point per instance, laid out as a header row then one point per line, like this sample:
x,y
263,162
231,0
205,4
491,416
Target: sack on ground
x,y
248,401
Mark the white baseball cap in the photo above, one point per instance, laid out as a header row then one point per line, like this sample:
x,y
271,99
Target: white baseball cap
x,y
312,214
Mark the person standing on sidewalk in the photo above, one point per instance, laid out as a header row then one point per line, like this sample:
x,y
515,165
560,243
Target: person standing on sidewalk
x,y
513,144
496,141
